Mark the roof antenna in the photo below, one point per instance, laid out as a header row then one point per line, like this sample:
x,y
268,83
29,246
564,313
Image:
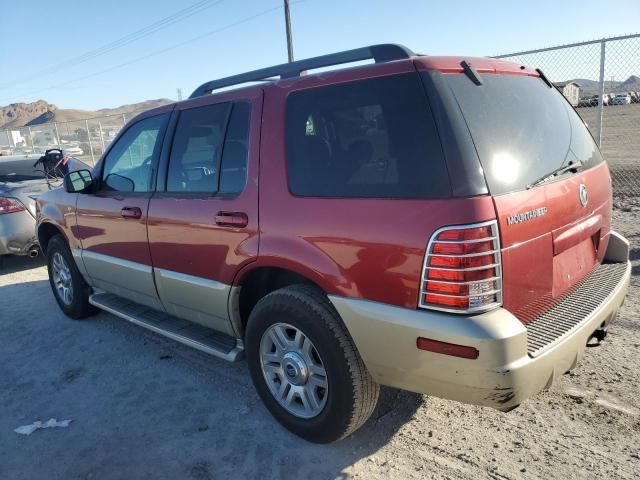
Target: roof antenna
x,y
471,72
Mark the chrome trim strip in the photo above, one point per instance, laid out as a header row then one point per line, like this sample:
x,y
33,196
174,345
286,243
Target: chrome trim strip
x,y
232,356
490,292
479,254
497,264
121,262
462,283
470,269
477,240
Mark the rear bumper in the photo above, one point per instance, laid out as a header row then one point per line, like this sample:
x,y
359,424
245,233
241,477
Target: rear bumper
x,y
17,233
503,375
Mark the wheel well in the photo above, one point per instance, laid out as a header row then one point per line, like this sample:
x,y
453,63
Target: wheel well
x,y
46,232
261,282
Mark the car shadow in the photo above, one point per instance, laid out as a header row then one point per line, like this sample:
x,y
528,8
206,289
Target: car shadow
x,y
144,405
19,263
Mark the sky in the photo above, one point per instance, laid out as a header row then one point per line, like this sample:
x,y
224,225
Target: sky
x,y
51,49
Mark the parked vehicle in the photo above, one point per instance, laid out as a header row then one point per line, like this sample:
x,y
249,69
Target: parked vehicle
x,y
389,224
590,101
20,183
620,99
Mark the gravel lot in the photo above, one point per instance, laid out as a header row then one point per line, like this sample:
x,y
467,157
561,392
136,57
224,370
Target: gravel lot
x,y
144,407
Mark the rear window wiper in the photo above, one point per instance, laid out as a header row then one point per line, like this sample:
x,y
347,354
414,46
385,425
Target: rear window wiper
x,y
571,166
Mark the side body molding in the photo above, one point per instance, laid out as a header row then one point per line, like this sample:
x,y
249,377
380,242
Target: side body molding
x,y
206,299
209,302
121,277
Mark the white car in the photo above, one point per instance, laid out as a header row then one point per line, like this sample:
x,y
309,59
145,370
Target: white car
x,y
620,99
74,150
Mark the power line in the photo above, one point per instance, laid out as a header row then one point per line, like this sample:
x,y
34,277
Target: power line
x,y
161,24
158,52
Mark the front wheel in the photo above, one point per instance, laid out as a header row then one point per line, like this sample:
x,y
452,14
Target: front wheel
x,y
306,367
69,288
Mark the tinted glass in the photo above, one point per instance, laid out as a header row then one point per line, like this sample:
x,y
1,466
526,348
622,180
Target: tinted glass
x,y
522,129
197,146
18,170
233,170
370,138
129,164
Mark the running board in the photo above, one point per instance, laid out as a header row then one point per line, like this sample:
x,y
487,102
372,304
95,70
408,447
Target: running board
x,y
183,331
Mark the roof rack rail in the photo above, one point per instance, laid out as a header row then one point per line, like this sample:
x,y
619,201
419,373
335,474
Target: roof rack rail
x,y
381,53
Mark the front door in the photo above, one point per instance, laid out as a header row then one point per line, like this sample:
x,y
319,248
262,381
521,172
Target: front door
x,y
203,218
112,221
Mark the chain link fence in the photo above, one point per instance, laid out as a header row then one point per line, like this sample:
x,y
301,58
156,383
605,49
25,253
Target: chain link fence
x,y
84,139
601,79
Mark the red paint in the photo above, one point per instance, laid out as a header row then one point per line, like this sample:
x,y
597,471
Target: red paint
x,y
204,236
102,228
531,272
360,248
58,208
480,64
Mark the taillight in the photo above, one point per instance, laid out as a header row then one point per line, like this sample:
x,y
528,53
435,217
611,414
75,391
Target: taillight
x,y
462,269
10,205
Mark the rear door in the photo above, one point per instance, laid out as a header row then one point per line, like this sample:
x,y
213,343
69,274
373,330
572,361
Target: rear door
x,y
112,222
553,232
203,219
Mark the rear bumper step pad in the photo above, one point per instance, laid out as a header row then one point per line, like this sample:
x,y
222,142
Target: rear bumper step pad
x,y
575,308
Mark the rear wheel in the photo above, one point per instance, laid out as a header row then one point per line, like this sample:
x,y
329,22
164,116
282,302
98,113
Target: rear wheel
x,y
69,288
306,367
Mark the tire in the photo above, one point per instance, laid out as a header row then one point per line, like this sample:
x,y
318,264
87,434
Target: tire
x,y
351,394
76,306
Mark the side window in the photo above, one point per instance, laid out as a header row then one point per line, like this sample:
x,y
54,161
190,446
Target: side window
x,y
233,170
129,164
368,138
197,148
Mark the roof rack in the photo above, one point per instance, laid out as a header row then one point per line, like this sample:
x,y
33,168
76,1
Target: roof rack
x,y
382,53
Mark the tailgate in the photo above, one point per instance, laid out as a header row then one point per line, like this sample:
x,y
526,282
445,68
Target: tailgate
x,y
551,240
553,226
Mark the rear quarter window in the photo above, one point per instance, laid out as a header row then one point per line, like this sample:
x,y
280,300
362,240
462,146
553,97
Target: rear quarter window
x,y
370,138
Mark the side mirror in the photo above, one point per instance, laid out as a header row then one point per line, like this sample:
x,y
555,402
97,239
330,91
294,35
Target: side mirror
x,y
78,181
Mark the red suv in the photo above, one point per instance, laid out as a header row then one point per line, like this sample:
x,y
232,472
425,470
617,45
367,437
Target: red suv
x,y
435,224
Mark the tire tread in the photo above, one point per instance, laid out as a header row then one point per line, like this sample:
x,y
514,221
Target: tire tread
x,y
365,390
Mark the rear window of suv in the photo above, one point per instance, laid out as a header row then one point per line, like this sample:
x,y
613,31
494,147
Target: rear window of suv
x,y
522,129
368,138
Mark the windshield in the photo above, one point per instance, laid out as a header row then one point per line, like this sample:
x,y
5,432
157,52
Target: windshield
x,y
522,129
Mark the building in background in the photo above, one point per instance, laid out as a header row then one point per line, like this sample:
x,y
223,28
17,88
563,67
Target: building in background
x,y
571,91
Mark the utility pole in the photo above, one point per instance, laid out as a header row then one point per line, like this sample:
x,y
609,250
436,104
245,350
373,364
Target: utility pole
x,y
287,21
179,92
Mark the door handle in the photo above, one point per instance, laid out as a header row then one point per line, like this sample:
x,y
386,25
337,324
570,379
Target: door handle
x,y
131,212
232,219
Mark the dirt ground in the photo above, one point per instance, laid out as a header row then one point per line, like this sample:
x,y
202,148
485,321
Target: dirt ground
x,y
143,406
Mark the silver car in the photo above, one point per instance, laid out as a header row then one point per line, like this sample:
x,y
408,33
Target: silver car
x,y
21,181
621,99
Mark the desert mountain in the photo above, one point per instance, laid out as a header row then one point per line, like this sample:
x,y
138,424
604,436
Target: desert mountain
x,y
591,87
23,114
